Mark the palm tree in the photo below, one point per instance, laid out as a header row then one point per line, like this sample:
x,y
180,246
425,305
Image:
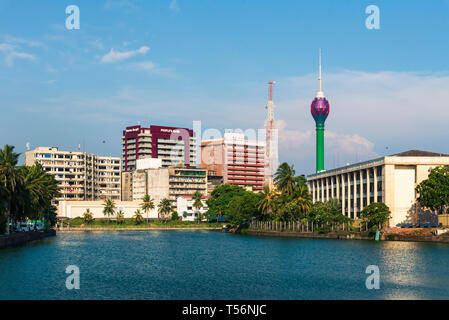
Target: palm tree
x,y
266,204
120,216
219,213
285,179
138,217
302,198
9,177
147,204
197,203
164,209
88,217
109,208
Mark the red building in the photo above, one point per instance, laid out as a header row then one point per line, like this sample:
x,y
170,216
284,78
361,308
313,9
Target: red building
x,y
239,161
172,145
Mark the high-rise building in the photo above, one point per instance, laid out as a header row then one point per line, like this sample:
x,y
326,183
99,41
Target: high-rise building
x,y
172,145
238,160
391,180
320,110
82,176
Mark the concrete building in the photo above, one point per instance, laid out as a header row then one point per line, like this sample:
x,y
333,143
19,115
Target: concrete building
x,y
391,180
167,183
238,160
82,176
74,209
171,145
213,180
185,209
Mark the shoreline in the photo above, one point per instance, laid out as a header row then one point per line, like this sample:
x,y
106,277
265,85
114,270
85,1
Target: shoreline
x,y
338,236
76,229
18,239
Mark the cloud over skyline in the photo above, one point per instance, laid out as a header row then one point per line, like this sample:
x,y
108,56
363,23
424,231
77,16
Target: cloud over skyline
x,y
115,56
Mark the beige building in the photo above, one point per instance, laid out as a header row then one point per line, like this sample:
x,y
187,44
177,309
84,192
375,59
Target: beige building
x,y
74,209
167,183
82,176
391,180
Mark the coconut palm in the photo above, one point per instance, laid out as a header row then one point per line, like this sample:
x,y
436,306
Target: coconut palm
x,y
138,216
88,217
120,216
109,208
197,203
164,209
267,203
302,198
9,178
285,179
147,204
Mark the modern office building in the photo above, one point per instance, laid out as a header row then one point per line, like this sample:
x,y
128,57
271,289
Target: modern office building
x,y
391,180
238,160
172,145
82,176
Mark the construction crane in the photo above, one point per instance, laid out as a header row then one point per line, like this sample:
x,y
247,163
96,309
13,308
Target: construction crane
x,y
271,150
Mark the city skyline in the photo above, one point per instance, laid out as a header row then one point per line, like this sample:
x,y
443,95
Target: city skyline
x,y
137,61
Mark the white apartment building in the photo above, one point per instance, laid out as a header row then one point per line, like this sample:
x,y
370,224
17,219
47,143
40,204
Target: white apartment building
x,y
82,176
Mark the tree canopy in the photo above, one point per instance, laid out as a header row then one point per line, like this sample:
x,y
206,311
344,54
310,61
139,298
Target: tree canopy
x,y
433,193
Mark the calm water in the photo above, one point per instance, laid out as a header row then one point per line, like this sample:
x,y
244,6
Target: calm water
x,y
214,265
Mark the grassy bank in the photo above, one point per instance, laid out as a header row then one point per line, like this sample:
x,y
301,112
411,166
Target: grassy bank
x,y
131,224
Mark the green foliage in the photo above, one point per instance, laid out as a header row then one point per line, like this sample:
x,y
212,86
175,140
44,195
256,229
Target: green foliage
x,y
147,204
26,192
175,216
220,198
138,217
120,217
242,208
109,208
433,193
376,214
88,217
165,209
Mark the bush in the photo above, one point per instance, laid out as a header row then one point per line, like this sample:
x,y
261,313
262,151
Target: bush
x,y
174,215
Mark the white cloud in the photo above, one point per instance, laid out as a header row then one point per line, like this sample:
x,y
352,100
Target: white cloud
x,y
114,56
11,54
153,68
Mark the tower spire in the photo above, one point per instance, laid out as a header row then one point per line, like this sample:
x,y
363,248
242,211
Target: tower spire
x,y
320,93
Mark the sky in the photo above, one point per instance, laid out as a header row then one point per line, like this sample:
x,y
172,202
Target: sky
x,y
172,62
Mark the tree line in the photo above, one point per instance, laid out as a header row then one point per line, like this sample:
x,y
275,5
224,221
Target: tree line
x,y
26,192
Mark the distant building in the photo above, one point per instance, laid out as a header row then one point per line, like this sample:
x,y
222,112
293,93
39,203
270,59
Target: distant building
x,y
81,176
74,209
238,160
167,183
391,180
185,209
213,180
171,145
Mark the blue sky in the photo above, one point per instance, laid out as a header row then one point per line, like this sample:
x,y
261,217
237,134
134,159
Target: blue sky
x,y
173,62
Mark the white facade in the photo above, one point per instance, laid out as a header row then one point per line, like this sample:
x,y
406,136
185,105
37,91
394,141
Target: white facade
x,y
186,211
148,163
74,209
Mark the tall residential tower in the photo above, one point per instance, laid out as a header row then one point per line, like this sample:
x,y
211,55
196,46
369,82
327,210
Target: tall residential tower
x,y
320,111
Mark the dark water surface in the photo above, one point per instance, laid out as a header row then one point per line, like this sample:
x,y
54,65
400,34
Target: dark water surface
x,y
213,265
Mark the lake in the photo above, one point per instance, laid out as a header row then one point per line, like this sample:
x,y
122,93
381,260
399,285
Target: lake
x,y
193,264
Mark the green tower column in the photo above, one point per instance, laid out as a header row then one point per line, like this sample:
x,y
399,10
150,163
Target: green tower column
x,y
319,147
